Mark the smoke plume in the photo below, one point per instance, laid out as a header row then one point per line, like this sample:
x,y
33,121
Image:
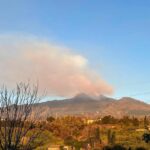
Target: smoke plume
x,y
57,69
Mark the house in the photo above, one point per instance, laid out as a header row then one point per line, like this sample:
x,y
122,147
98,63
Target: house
x,y
54,147
58,147
141,130
148,128
90,121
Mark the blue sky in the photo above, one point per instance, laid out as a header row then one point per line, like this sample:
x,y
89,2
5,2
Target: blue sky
x,y
112,34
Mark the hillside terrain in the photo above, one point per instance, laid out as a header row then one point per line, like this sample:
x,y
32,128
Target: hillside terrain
x,y
83,104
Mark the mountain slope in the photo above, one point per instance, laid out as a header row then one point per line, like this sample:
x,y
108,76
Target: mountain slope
x,y
83,104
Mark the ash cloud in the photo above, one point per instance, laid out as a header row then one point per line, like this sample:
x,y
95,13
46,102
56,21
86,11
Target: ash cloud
x,y
57,69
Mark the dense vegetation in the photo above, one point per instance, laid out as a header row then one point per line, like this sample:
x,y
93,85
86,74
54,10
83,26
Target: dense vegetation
x,y
107,133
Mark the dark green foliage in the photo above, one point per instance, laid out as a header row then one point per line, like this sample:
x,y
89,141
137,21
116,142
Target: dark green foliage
x,y
140,148
118,147
50,119
135,122
125,120
108,120
145,122
97,134
111,137
69,141
107,148
115,147
146,137
61,147
73,143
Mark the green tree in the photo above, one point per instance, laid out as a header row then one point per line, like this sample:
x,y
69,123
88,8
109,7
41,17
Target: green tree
x,y
97,134
109,136
140,148
67,126
125,121
50,119
146,137
145,122
108,120
113,138
135,122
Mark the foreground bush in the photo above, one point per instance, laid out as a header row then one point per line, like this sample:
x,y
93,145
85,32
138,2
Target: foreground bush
x,y
116,147
140,148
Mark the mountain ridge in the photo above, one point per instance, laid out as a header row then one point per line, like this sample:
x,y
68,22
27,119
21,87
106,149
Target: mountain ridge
x,y
83,104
